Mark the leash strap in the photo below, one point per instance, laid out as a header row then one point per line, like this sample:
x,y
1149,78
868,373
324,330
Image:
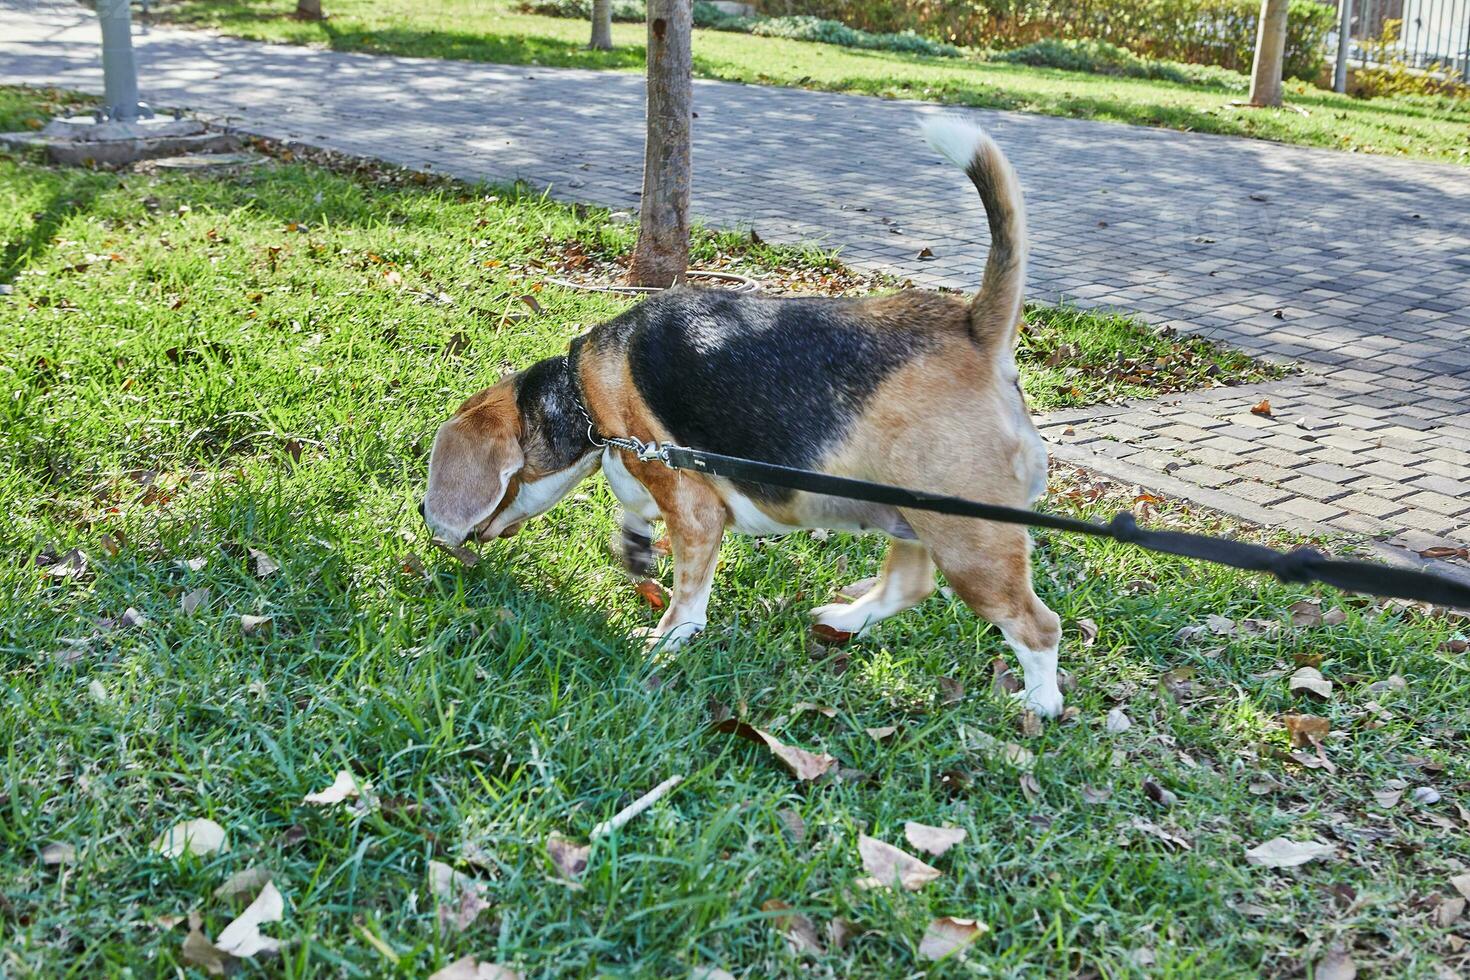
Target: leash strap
x,y
1300,566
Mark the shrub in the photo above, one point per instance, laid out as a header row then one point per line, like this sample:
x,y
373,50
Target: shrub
x,y
1102,58
622,10
1211,32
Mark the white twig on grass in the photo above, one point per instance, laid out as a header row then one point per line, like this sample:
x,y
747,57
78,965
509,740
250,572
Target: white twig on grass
x,y
632,810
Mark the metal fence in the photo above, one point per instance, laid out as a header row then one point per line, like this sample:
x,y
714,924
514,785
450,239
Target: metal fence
x,y
1433,35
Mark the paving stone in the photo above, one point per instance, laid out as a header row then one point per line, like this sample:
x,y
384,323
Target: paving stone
x,y
1367,503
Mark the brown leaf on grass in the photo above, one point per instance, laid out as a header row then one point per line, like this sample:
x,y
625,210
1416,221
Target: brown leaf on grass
x,y
1094,795
194,601
469,968
1030,724
880,733
1166,837
932,840
1461,884
800,933
198,837
830,635
803,765
242,938
1002,681
71,565
794,826
1281,852
460,898
1448,911
1088,629
1455,645
951,691
570,858
256,625
820,709
652,593
1306,729
1310,679
58,853
1117,722
1335,964
1160,796
265,565
199,951
1178,683
1030,787
1335,616
1303,659
887,866
1262,407
1307,612
948,937
840,932
242,883
109,544
343,787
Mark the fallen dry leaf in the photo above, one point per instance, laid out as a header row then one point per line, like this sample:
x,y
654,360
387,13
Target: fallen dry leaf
x,y
1088,629
198,837
343,787
460,898
1030,724
831,636
1262,407
820,709
58,853
803,765
857,589
243,937
794,826
1448,911
247,882
1306,729
887,865
1461,884
1310,679
1159,795
880,733
1307,612
948,936
255,624
199,951
800,934
839,932
653,593
194,601
933,840
1094,794
469,968
1280,852
951,691
1002,681
1118,722
265,565
570,858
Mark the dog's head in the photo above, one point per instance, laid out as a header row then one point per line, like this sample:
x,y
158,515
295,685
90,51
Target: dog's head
x,y
507,455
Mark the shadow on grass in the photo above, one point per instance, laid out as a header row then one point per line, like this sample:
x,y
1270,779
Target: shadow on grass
x,y
74,193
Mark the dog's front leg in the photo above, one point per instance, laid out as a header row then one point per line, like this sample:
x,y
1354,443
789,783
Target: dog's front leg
x,y
634,542
696,518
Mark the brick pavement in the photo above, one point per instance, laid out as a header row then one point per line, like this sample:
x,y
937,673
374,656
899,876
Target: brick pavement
x,y
1355,267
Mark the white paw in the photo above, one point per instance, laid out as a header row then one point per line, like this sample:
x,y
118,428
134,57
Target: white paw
x,y
654,637
1045,701
847,617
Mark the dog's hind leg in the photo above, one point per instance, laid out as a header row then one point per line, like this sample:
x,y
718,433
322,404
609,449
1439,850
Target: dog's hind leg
x,y
907,579
989,567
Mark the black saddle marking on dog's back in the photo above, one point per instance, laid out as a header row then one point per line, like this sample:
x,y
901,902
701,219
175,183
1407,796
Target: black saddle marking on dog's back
x,y
779,380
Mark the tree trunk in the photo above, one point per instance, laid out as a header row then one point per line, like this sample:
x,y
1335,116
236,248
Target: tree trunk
x,y
661,256
309,10
601,25
1270,49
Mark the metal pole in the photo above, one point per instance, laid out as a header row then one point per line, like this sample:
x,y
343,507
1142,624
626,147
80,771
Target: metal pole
x,y
1344,24
119,72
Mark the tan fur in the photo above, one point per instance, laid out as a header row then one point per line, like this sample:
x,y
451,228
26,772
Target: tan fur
x,y
477,457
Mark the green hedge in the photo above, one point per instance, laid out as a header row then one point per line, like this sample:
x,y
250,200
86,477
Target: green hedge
x,y
1102,58
1209,32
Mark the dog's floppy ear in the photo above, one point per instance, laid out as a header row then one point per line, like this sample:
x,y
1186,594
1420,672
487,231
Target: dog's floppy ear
x,y
475,455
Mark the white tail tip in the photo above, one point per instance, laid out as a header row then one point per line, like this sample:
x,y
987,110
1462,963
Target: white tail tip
x,y
955,138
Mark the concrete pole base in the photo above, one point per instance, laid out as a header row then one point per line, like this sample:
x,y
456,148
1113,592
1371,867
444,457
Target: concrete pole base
x,y
82,141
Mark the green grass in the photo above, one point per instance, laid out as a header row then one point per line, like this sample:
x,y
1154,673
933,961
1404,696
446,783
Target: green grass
x,y
191,377
476,30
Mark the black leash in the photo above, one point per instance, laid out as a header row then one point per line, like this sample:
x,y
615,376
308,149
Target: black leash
x,y
1300,566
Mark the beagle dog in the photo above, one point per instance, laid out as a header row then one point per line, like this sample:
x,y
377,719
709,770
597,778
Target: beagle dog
x,y
916,388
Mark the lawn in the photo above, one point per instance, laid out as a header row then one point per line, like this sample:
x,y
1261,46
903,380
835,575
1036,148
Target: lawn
x,y
219,389
489,30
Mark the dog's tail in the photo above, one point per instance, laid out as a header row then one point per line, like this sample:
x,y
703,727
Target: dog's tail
x,y
995,312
